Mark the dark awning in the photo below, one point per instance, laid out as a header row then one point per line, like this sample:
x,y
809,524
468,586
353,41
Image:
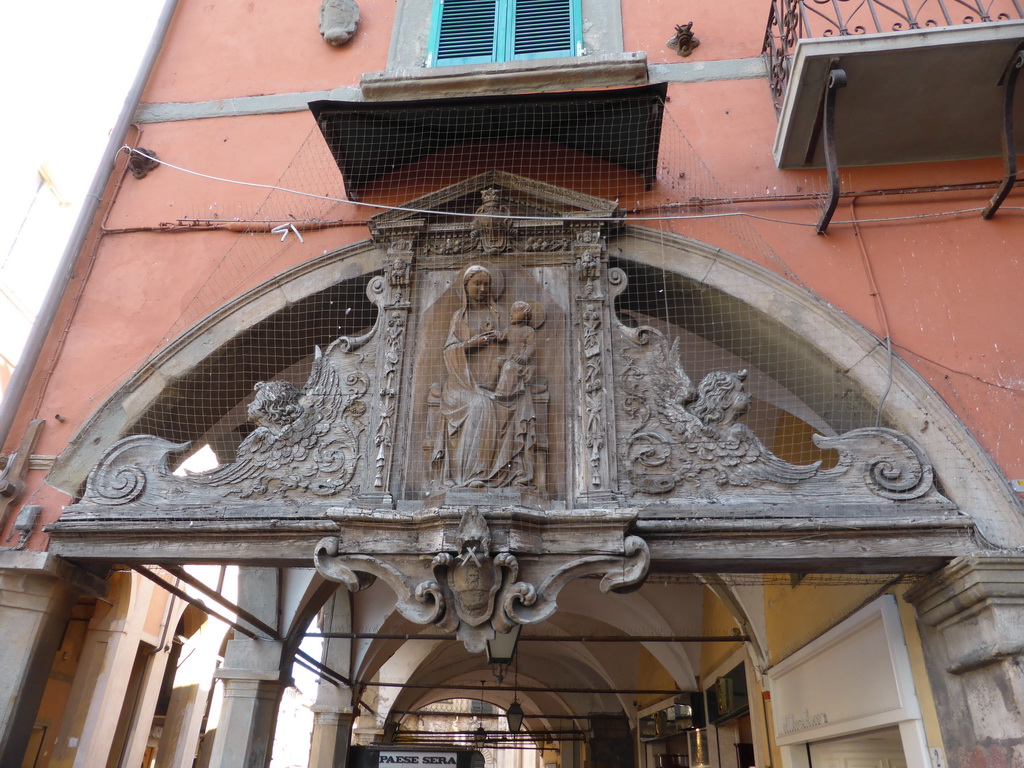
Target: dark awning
x,y
372,139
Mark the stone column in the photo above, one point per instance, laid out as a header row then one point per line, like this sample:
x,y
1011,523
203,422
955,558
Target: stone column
x,y
190,696
253,683
972,627
37,593
333,713
332,733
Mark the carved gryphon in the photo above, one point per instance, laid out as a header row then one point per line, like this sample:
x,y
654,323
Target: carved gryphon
x,y
307,441
685,436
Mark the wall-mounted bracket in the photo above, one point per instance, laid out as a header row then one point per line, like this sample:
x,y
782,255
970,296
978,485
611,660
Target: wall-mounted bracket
x,y
12,480
1009,83
836,80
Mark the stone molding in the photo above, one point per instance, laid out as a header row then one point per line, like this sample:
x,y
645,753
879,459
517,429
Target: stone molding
x,y
26,565
600,71
977,603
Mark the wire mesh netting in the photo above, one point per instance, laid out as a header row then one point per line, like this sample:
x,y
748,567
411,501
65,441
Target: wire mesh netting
x,y
617,147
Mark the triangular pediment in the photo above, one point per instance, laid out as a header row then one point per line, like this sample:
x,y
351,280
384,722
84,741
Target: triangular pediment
x,y
515,197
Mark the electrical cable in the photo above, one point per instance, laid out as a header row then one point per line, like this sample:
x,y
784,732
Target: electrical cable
x,y
627,218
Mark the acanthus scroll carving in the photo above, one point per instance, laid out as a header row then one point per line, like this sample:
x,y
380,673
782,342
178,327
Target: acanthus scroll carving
x,y
685,439
306,441
476,591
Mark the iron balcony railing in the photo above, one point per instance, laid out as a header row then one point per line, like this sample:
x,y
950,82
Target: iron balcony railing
x,y
792,20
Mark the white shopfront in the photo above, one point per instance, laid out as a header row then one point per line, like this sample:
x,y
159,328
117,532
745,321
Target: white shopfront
x,y
848,699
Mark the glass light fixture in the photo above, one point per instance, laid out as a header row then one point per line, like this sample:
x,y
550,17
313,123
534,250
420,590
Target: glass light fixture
x,y
515,715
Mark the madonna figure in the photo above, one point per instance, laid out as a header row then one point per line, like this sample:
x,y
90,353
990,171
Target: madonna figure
x,y
487,437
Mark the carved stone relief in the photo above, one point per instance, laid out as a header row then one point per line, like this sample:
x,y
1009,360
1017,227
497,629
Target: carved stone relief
x,y
473,588
308,442
339,20
390,293
487,432
597,473
684,440
500,431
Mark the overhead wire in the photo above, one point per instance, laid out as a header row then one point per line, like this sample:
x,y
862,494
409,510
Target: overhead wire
x,y
627,217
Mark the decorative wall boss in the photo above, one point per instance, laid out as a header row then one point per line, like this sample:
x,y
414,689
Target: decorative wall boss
x,y
339,20
684,41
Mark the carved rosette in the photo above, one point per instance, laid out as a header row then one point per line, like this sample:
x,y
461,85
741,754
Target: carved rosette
x,y
475,591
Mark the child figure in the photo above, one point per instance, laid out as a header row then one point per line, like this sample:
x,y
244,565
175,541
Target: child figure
x,y
517,365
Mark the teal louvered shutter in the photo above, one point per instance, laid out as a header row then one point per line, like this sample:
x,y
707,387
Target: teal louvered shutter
x,y
476,31
543,29
464,31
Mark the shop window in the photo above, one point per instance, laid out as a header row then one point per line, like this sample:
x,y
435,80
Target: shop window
x,y
479,31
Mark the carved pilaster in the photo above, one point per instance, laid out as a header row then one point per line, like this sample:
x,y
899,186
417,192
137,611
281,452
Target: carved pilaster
x,y
972,617
390,293
596,475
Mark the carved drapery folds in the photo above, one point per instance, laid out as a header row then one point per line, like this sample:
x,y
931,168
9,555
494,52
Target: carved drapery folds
x,y
485,431
474,585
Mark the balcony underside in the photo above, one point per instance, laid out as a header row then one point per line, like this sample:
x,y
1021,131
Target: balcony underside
x,y
913,96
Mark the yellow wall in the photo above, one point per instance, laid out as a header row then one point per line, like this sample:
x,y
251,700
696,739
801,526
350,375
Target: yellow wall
x,y
650,674
717,621
795,615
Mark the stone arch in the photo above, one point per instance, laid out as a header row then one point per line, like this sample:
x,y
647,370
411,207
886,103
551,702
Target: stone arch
x,y
127,405
973,481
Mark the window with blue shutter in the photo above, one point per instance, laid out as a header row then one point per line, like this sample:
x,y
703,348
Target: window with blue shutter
x,y
477,31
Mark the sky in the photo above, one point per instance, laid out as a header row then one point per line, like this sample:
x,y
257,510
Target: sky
x,y
66,67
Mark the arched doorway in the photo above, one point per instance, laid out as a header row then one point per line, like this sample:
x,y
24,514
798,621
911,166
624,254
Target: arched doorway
x,y
635,479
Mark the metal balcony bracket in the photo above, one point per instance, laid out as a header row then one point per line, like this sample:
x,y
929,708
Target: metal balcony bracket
x,y
1009,83
836,80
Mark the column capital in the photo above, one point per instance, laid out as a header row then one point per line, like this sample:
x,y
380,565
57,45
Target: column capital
x,y
977,603
255,660
967,584
27,564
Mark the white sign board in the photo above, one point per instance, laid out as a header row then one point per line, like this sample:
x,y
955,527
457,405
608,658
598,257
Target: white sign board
x,y
854,677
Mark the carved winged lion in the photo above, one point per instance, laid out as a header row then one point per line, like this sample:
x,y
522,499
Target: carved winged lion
x,y
304,439
686,432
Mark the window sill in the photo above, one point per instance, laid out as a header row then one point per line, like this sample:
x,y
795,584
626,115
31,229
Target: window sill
x,y
600,71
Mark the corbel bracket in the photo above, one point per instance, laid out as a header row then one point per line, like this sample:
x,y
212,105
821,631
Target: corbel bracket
x,y
472,584
836,80
12,480
1009,83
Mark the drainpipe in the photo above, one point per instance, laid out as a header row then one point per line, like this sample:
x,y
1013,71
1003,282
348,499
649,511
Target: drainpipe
x,y
18,384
